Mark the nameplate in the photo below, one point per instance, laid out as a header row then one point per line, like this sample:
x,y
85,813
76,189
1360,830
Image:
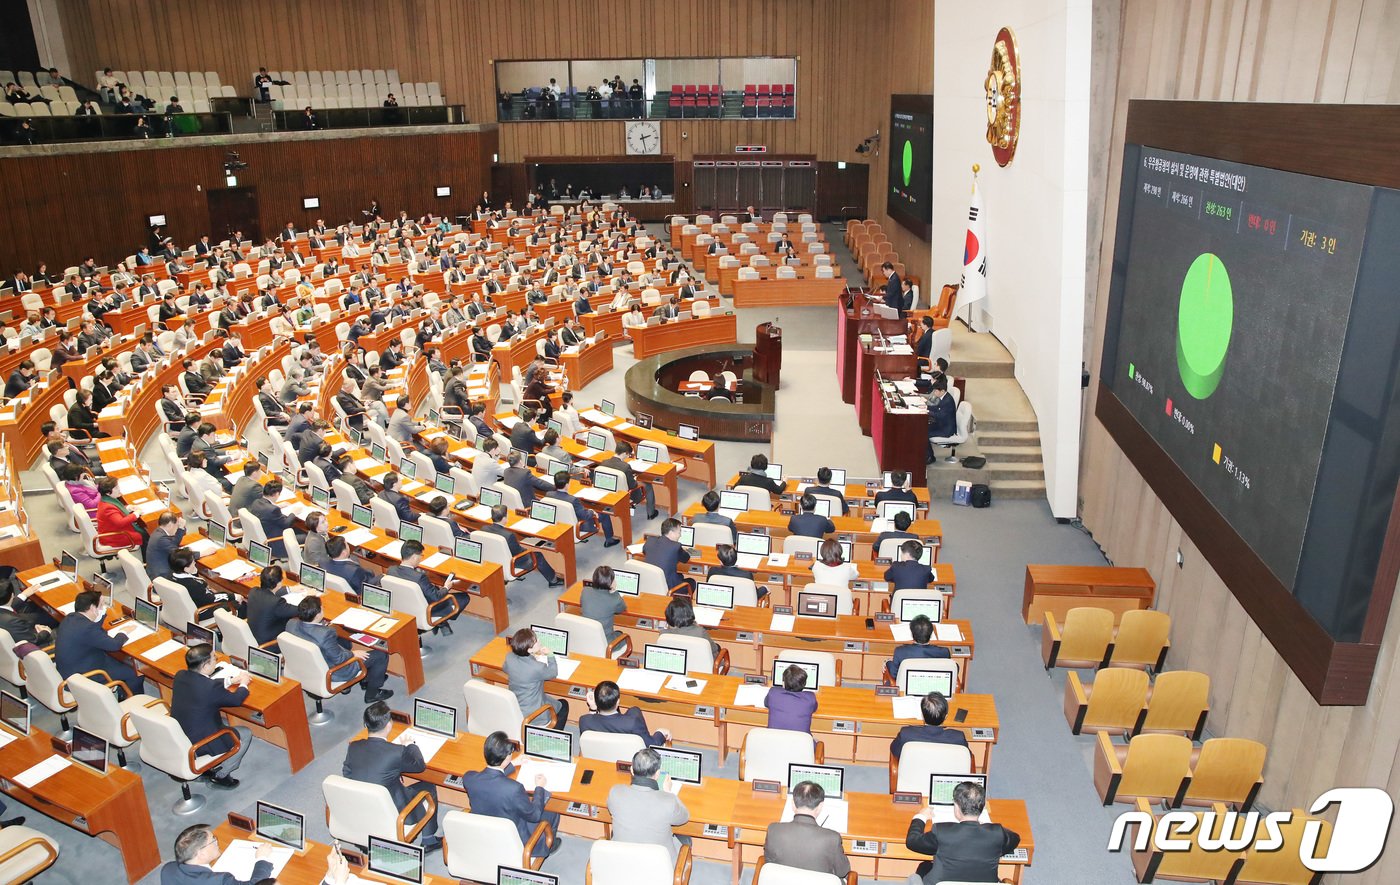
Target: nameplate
x,y
755,679
241,821
782,609
400,717
881,561
886,691
629,663
624,766
885,617
772,787
59,745
905,798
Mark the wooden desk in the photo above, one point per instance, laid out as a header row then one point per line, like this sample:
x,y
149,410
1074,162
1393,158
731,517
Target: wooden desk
x,y
901,438
308,867
605,320
24,550
853,319
1059,588
713,329
518,352
697,456
869,361
20,422
848,528
112,807
138,416
588,364
774,291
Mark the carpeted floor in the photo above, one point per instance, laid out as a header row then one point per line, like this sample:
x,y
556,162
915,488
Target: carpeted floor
x,y
1036,758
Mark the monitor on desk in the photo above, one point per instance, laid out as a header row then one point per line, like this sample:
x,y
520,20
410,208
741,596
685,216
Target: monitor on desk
x,y
312,577
605,481
218,532
909,609
664,659
377,599
264,664
816,605
14,713
926,555
649,452
259,555
887,479
627,583
838,476
445,483
396,860
514,876
554,425
714,595
467,549
753,542
263,459
941,786
361,516
608,407
888,509
490,497
68,564
552,638
549,743
831,778
826,506
847,551
681,765
281,825
196,634
320,497
378,452
732,500
597,440
688,432
687,538
435,718
813,672
774,472
147,613
88,749
544,512
103,585
409,531
407,469
918,683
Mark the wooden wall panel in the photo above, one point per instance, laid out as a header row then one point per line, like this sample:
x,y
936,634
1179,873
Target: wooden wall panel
x,y
1237,50
96,203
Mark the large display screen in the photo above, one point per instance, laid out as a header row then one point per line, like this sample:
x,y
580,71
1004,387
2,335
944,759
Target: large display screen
x,y
910,195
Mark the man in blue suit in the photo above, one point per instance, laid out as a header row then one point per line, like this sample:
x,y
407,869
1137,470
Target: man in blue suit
x,y
391,493
374,759
942,414
666,553
196,702
808,523
498,527
410,556
609,719
589,520
83,646
934,708
309,625
273,519
909,573
894,289
345,568
492,791
921,631
196,851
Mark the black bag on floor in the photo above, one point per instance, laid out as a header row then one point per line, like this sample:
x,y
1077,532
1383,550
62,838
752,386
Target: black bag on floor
x,y
974,462
981,495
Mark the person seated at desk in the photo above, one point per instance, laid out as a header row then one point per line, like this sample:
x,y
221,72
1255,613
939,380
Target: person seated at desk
x,y
398,499
272,517
638,491
437,451
117,525
518,476
374,759
899,491
408,569
728,566
522,434
269,612
599,602
196,852
642,812
964,851
440,507
757,476
823,487
712,516
934,708
790,706
528,666
248,488
492,791
901,532
81,645
942,415
808,523
336,650
272,407
184,570
82,415
552,448
343,566
170,531
607,717
498,527
680,620
666,553
402,427
923,348
634,318
908,573
830,568
21,627
587,519
308,445
197,701
802,842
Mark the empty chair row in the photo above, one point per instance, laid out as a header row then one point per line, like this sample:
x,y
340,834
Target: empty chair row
x,y
365,76
147,82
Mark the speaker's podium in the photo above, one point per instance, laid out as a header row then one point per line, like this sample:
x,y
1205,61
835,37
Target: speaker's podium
x,y
767,354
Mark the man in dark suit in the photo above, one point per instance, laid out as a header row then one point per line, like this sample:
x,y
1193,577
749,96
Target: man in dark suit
x,y
170,531
20,379
519,477
606,717
942,414
804,843
589,520
344,567
757,476
299,424
498,527
196,851
923,349
823,487
335,651
921,631
666,553
272,407
523,436
965,851
390,492
410,557
232,351
376,760
268,609
908,572
493,792
902,521
638,491
83,646
898,491
934,708
272,517
894,288
196,702
21,627
808,523
712,516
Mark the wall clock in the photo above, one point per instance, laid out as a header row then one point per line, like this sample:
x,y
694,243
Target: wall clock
x,y
1003,85
643,137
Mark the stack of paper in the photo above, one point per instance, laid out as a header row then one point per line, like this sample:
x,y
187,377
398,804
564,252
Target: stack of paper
x,y
203,547
134,631
240,857
356,618
594,416
117,465
235,570
948,632
900,631
749,695
435,560
591,494
835,813
782,623
527,524
359,537
679,683
567,666
558,776
428,743
907,707
708,617
365,463
642,681
41,771
589,454
165,649
393,549
146,508
130,485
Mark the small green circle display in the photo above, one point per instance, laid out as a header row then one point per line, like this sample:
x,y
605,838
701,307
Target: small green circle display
x,y
908,160
1204,323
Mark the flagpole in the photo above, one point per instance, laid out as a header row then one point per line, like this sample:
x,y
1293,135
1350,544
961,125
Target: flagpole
x,y
966,315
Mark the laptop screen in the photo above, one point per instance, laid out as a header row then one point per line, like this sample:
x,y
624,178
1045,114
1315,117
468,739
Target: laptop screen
x,y
407,469
605,481
681,765
888,509
847,551
376,598
320,497
774,472
688,432
103,585
445,483
378,452
552,638
909,609
551,424
649,452
490,497
816,605
687,538
813,672
732,500
147,613
218,532
609,407
467,549
259,554
887,479
281,825
437,718
361,516
264,663
627,583
14,712
838,476
68,564
548,743
753,542
597,441
714,595
918,683
396,860
89,749
513,876
410,532
197,635
544,512
826,506
941,786
926,555
831,778
664,659
312,577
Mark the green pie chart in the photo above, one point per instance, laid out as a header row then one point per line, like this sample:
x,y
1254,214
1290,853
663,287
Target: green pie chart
x,y
1205,319
908,161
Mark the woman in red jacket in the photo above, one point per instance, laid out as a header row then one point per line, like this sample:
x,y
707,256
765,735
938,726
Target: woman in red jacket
x,y
117,526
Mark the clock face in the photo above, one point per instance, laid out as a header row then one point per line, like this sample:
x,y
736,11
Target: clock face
x,y
643,137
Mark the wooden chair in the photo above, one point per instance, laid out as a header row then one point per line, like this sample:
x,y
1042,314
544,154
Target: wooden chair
x,y
1226,770
1116,701
1178,702
1284,866
1082,643
1150,766
1142,640
1191,865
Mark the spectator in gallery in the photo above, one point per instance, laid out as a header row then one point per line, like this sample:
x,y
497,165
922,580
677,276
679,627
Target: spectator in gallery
x,y
308,119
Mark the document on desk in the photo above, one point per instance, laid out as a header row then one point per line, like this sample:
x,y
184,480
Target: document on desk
x,y
638,465
635,549
558,776
778,560
943,814
595,416
108,445
359,537
708,617
782,623
164,650
239,858
365,463
235,570
478,512
356,618
130,485
435,560
117,465
527,524
146,508
47,580
36,774
134,631
948,632
835,813
508,421
6,738
393,549
203,547
907,707
625,425
293,597
900,631
591,494
643,681
678,683
748,695
567,666
428,743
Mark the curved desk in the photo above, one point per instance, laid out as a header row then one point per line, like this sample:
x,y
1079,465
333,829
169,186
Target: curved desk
x,y
652,388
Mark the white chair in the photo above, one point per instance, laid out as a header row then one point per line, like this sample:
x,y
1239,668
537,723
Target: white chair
x,y
25,853
138,581
48,688
385,516
98,549
777,874
252,526
494,549
345,497
100,713
219,512
708,534
699,654
607,747
356,810
586,637
828,667
960,436
929,665
653,579
406,597
492,708
11,667
759,499
303,662
177,610
745,590
801,544
474,846
909,773
235,636
636,863
437,532
165,747
767,752
919,593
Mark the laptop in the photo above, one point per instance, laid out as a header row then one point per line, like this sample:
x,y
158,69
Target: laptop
x,y
774,472
467,549
753,550
664,659
918,683
312,577
378,452
396,860
940,794
608,407
888,509
407,469
197,635
605,481
14,713
439,719
552,638
218,532
265,664
688,432
831,778
813,672
549,744
445,483
281,825
146,613
88,749
627,583
732,504
544,512
816,605
597,441
410,532
649,452
514,876
362,516
826,506
259,555
682,765
909,609
714,595
320,497
377,599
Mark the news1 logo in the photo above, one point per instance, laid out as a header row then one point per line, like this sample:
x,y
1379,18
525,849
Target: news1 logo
x,y
1358,835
